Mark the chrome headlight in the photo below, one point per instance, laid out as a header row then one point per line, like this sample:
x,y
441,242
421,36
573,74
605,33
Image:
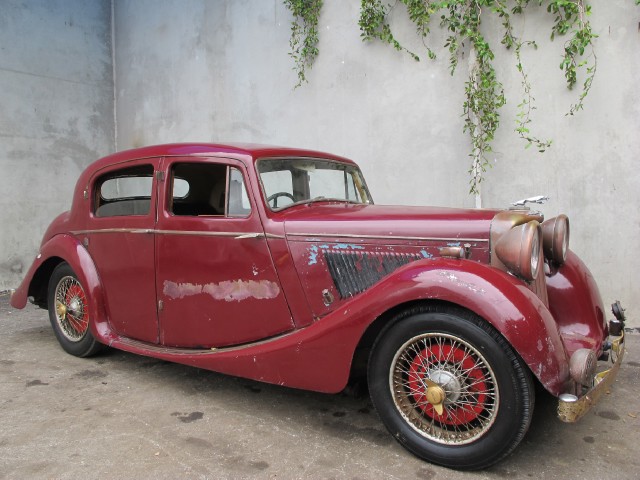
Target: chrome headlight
x,y
555,238
519,250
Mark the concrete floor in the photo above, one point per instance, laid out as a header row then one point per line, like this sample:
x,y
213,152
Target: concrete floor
x,y
119,415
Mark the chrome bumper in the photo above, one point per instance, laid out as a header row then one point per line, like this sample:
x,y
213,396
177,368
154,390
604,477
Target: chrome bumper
x,y
573,410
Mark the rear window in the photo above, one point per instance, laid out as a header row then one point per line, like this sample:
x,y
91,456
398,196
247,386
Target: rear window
x,y
124,192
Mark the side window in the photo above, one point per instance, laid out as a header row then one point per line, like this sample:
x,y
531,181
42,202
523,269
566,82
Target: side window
x,y
238,200
208,189
124,192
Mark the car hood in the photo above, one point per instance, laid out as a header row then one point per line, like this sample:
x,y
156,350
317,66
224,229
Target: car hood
x,y
384,221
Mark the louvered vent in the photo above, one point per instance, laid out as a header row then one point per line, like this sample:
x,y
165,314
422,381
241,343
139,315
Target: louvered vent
x,y
354,272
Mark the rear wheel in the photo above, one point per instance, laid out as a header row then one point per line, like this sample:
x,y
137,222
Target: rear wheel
x,y
449,388
69,313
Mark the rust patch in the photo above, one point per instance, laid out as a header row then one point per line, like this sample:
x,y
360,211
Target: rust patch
x,y
228,290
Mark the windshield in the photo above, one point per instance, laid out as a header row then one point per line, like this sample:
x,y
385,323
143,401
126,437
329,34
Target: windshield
x,y
289,181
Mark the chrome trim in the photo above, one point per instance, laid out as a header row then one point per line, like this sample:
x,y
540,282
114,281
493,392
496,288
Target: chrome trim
x,y
238,235
112,230
123,342
571,411
388,237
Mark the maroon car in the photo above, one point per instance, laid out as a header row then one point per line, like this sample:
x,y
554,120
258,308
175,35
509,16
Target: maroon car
x,y
274,264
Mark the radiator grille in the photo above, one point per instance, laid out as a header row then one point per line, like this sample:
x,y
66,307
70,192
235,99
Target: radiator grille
x,y
354,272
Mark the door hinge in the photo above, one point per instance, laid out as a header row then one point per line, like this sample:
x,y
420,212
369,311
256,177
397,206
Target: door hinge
x,y
160,305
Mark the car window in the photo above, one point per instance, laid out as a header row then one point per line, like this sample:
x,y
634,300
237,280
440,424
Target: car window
x,y
238,200
124,192
279,184
287,181
208,189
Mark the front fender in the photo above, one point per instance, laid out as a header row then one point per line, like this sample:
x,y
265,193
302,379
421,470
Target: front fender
x,y
499,298
68,249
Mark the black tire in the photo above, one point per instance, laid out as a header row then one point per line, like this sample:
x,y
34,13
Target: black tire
x,y
488,390
69,313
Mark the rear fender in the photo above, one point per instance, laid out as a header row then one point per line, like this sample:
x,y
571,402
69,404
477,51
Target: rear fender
x,y
68,249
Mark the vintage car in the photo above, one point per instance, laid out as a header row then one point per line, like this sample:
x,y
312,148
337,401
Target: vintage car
x,y
274,264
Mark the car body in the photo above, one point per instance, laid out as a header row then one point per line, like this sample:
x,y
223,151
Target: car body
x,y
274,264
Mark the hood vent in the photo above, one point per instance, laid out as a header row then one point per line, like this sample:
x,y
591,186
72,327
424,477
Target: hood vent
x,y
354,272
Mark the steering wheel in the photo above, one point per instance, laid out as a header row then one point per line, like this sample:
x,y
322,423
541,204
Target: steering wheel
x,y
277,195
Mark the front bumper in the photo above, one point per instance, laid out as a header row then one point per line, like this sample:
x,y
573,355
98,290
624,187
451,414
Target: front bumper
x,y
571,410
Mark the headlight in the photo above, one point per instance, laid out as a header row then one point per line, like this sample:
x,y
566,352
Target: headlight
x,y
555,238
519,250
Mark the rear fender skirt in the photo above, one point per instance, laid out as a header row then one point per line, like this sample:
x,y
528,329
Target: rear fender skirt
x,y
70,250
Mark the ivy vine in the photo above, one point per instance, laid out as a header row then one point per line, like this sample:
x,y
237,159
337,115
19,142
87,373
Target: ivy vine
x,y
304,34
462,19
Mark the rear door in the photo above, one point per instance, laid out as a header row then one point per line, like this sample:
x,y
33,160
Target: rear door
x,y
121,243
215,278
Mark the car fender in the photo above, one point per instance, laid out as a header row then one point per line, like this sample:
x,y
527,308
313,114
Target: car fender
x,y
68,248
499,298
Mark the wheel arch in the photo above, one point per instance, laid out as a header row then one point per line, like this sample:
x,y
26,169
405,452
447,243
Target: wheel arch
x,y
40,281
59,249
500,300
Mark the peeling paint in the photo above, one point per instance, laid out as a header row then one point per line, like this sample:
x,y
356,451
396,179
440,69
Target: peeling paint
x,y
347,246
453,244
313,255
315,249
425,254
229,290
469,286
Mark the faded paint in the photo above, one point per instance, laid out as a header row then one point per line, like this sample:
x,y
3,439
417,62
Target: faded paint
x,y
228,290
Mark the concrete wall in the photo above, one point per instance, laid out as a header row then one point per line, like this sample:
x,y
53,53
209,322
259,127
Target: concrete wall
x,y
208,70
56,115
219,70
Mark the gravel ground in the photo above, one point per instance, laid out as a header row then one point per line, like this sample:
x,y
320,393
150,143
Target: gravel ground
x,y
119,415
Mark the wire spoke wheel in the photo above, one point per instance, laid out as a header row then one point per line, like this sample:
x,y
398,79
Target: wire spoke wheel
x,y
449,387
71,309
471,398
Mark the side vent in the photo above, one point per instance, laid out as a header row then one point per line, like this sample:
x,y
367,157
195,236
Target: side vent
x,y
354,272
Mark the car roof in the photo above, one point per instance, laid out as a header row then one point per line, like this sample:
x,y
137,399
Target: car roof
x,y
243,151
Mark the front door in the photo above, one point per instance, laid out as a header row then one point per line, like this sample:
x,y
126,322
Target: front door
x,y
215,278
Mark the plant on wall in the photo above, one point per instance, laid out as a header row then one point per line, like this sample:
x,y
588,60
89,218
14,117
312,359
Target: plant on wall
x,y
304,34
462,19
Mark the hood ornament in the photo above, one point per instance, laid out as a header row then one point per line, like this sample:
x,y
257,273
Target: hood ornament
x,y
540,199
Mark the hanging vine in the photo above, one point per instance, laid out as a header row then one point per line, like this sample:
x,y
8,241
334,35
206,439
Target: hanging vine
x,y
462,19
304,34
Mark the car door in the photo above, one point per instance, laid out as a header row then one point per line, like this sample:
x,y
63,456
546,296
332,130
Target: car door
x,y
215,278
120,239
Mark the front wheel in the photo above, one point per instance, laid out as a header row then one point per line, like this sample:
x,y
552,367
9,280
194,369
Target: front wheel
x,y
449,388
69,313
